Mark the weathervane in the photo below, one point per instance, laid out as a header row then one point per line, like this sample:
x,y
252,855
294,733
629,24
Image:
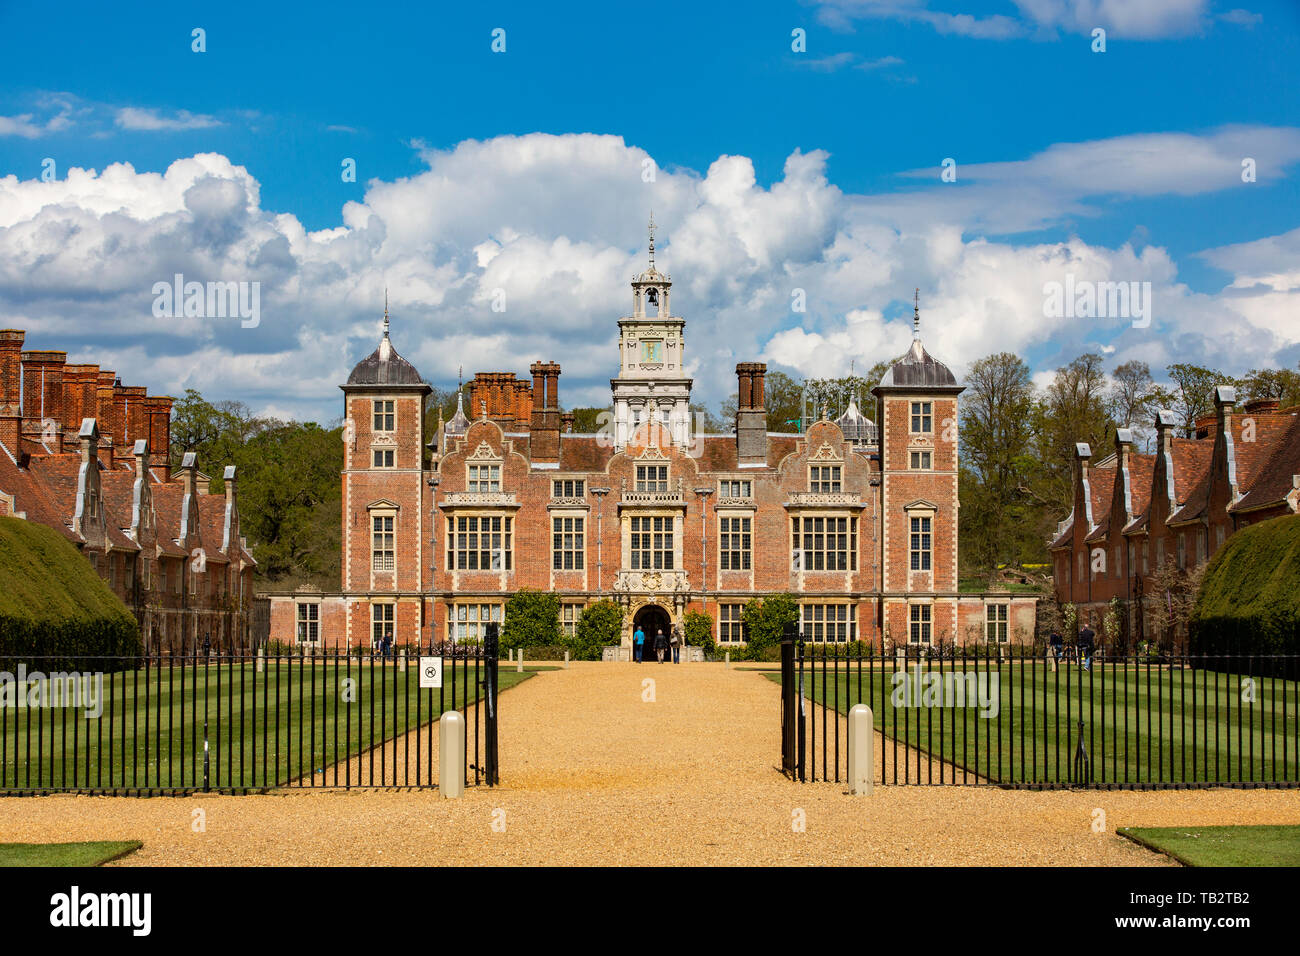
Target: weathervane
x,y
652,238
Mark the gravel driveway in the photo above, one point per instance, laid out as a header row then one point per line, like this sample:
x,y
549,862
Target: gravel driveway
x,y
593,773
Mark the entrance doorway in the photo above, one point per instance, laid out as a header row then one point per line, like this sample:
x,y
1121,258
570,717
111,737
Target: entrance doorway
x,y
650,619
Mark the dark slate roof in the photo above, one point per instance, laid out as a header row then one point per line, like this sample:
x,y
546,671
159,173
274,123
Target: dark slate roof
x,y
384,366
918,369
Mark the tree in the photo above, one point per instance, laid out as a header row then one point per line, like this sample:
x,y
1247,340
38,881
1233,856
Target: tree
x,y
1134,399
1281,384
766,619
586,421
532,618
997,453
705,422
1073,409
1192,396
599,626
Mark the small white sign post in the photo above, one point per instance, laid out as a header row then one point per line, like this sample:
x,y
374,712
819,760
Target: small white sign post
x,y
430,673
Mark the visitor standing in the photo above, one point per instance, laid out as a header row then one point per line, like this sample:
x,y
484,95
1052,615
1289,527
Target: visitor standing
x,y
1086,640
638,642
676,642
661,644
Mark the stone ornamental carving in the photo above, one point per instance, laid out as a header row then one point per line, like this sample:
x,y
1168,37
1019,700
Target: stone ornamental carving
x,y
655,582
484,452
826,453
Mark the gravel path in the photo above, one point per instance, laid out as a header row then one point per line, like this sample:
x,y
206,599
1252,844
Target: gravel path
x,y
594,774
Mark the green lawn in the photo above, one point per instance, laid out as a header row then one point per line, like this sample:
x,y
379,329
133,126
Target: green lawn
x,y
1142,723
263,729
65,854
1222,846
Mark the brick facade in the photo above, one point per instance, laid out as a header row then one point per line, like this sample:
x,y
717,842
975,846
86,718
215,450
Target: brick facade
x,y
88,456
1134,512
859,525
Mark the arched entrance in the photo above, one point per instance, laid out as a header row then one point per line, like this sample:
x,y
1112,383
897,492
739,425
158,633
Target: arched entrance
x,y
650,619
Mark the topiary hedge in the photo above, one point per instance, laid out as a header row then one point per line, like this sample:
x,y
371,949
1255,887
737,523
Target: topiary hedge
x,y
55,611
1249,600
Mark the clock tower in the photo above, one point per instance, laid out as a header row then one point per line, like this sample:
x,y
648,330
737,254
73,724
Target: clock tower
x,y
652,385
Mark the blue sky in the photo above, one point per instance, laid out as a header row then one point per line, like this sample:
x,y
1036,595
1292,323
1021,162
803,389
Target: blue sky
x,y
1122,165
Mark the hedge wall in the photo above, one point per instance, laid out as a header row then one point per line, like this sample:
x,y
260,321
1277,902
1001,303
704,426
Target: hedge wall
x,y
1249,601
55,611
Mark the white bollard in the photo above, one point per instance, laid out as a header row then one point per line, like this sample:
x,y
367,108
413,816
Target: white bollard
x,y
261,659
401,661
451,755
566,660
519,662
728,658
512,653
862,745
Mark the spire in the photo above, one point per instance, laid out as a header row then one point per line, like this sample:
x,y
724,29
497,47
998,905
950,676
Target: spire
x,y
385,346
652,239
916,315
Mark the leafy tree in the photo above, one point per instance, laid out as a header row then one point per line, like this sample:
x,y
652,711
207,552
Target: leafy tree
x,y
532,618
586,421
766,619
599,626
1192,395
699,630
1073,409
998,520
1282,384
1134,400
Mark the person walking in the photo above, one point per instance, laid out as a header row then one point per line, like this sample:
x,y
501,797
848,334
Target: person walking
x,y
676,643
638,643
1054,644
1086,640
661,644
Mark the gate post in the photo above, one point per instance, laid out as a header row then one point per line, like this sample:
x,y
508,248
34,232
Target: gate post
x,y
451,754
788,692
491,648
861,750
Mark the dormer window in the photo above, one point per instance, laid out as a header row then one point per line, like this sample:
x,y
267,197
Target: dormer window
x,y
484,479
651,477
824,479
385,416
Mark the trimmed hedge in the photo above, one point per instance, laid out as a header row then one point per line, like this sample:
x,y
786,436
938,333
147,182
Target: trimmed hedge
x,y
1249,601
55,611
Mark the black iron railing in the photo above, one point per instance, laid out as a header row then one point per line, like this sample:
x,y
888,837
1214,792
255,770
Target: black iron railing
x,y
1011,717
240,723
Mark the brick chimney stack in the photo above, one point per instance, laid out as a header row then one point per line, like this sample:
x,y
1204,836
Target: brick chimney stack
x,y
158,409
105,406
11,411
43,397
545,425
135,423
79,385
751,413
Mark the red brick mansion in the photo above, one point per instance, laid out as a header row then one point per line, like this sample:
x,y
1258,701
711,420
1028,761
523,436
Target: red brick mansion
x,y
858,522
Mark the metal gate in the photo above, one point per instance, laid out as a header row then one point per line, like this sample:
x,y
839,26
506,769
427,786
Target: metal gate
x,y
241,723
1033,717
